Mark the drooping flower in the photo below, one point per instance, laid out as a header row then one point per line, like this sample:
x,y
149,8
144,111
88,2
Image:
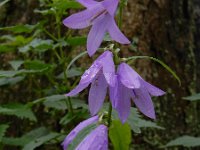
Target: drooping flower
x,y
100,76
130,85
96,140
77,129
101,16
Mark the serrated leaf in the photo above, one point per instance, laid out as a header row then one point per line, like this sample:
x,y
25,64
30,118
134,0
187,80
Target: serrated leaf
x,y
51,98
60,105
18,110
19,28
77,115
70,73
186,141
40,141
81,135
37,45
10,74
120,135
36,65
27,138
3,128
16,64
10,81
136,122
195,97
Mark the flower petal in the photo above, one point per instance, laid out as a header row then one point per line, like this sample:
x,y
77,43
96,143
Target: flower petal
x,y
154,91
96,140
76,130
86,78
96,35
91,73
143,101
78,88
87,3
97,94
108,67
123,102
113,92
116,34
111,6
128,76
82,19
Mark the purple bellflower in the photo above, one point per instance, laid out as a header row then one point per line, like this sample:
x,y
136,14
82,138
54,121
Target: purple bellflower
x,y
100,76
130,85
77,129
96,140
101,16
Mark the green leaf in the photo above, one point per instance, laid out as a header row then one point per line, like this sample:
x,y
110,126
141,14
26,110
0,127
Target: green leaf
x,y
27,138
4,2
40,141
4,48
18,110
48,99
76,41
81,135
10,81
74,72
3,128
63,5
136,122
10,74
56,102
158,61
37,45
37,65
20,28
59,102
186,141
16,64
195,97
78,114
120,135
45,12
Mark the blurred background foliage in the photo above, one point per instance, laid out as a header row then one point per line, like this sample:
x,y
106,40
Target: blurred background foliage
x,y
40,60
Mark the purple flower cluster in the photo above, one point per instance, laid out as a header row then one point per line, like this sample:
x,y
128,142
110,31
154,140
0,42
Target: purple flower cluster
x,y
123,84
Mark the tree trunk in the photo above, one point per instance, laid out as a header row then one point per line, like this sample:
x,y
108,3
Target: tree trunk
x,y
169,31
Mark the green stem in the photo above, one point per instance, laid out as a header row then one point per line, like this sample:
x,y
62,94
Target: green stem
x,y
121,6
69,106
50,35
109,114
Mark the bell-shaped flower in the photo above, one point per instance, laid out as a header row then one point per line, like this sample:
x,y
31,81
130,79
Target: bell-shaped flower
x,y
96,140
100,76
101,16
70,137
130,85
